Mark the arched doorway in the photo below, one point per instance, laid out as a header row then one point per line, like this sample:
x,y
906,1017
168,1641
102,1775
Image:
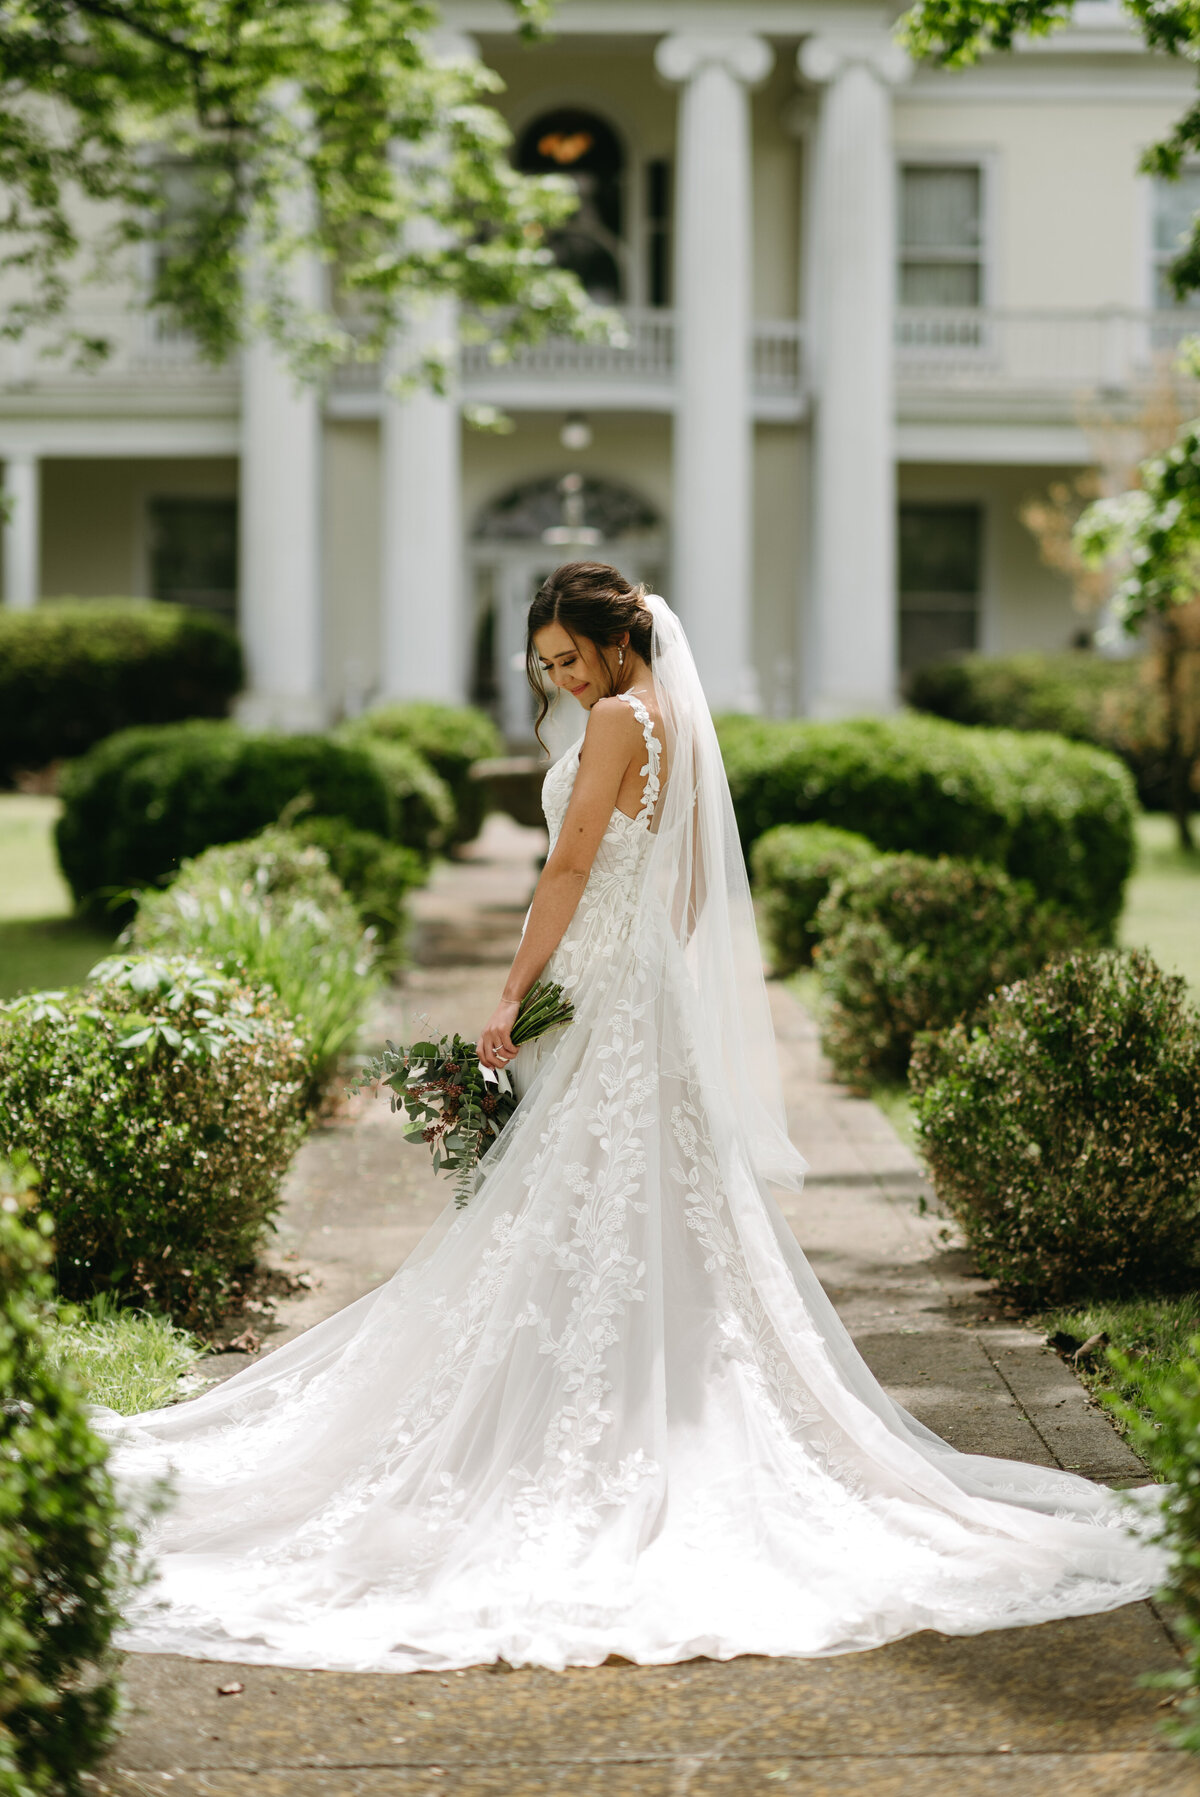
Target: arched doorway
x,y
519,539
578,144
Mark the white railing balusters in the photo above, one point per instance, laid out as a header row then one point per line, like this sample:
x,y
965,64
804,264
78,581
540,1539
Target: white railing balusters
x,y
1108,349
1049,352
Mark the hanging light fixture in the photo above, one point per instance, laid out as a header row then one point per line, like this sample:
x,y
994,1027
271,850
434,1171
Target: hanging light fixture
x,y
576,433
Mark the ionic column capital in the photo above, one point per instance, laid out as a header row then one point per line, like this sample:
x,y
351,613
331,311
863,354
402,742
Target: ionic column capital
x,y
823,58
449,45
681,57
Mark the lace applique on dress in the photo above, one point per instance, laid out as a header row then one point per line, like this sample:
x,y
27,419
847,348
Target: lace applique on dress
x,y
650,790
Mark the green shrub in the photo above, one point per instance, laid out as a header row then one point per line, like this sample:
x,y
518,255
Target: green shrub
x,y
271,911
1163,1422
908,944
1113,704
1061,693
376,873
161,1106
451,738
65,1555
72,672
420,806
1063,1129
1058,814
138,804
794,867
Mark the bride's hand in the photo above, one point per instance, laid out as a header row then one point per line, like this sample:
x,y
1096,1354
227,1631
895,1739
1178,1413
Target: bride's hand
x,y
495,1046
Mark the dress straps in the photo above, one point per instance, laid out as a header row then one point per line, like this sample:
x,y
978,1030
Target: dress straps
x,y
650,790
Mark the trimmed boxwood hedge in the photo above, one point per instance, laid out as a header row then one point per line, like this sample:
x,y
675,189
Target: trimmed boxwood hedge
x,y
1062,1130
1086,697
1058,814
451,738
794,866
377,874
421,805
74,671
66,1556
909,944
143,801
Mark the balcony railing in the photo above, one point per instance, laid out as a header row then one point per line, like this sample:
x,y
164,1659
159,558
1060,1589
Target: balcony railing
x,y
143,349
643,350
1108,349
939,350
641,360
777,368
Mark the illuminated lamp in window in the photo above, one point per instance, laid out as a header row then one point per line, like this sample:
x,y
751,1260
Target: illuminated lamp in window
x,y
565,147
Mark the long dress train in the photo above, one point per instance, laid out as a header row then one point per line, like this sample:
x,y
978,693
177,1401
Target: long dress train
x,y
607,1408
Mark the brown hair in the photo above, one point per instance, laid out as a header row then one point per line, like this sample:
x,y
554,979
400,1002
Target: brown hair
x,y
590,600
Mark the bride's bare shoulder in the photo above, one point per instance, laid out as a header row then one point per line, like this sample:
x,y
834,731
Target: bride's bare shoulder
x,y
615,727
612,718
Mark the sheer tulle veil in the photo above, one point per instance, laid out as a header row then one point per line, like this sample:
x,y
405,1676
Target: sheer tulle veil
x,y
697,879
697,883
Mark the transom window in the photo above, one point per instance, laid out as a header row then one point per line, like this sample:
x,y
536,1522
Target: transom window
x,y
941,577
941,234
1176,204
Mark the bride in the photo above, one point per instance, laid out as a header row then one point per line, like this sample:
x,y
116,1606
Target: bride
x,y
607,1408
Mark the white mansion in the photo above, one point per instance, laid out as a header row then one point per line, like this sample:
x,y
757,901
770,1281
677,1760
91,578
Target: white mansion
x,y
868,311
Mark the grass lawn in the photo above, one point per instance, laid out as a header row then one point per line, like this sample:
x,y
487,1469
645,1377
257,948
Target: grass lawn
x,y
1162,902
1152,1331
125,1359
41,944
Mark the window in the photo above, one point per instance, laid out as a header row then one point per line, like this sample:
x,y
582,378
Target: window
x,y
182,186
193,553
1176,204
658,232
941,555
941,235
591,243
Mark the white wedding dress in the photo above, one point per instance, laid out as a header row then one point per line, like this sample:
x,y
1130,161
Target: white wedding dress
x,y
606,1408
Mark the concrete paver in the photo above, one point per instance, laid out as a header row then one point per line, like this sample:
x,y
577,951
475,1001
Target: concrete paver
x,y
955,1775
1011,1713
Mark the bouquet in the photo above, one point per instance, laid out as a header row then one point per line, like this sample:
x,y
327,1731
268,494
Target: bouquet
x,y
452,1103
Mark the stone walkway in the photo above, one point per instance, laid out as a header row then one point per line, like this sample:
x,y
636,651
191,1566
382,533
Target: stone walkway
x,y
1015,1713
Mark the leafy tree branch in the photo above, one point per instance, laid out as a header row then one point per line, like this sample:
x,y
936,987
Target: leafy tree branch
x,y
305,128
1151,537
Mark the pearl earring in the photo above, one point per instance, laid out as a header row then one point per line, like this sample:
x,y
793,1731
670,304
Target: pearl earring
x,y
620,658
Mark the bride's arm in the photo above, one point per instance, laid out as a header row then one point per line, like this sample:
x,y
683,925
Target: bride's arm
x,y
612,738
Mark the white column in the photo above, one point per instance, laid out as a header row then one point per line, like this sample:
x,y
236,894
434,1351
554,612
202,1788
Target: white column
x,y
850,638
22,530
424,628
279,523
712,570
424,624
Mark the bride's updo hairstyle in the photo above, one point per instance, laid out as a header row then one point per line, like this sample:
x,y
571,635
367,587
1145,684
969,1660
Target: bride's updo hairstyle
x,y
591,601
